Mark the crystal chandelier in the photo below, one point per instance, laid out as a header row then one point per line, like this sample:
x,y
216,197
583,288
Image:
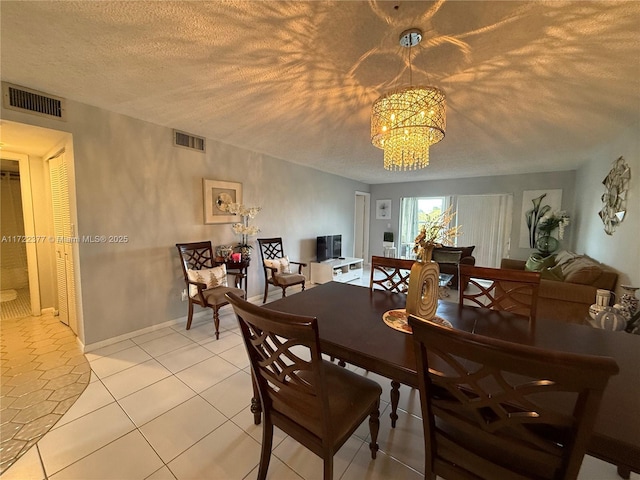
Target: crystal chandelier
x,y
405,122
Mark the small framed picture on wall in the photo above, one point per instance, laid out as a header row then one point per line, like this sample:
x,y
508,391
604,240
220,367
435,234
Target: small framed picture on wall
x,y
383,209
217,195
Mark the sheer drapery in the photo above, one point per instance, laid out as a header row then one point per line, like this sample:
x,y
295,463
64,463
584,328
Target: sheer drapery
x,y
408,225
486,223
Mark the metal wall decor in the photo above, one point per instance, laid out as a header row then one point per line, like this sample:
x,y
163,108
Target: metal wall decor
x,y
614,199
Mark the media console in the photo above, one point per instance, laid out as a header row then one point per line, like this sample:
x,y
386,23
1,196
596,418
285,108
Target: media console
x,y
337,270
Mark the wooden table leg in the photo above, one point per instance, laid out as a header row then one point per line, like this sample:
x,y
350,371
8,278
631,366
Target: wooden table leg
x,y
395,399
624,472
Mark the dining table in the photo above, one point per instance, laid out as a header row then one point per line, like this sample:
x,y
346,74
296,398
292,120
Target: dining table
x,y
351,329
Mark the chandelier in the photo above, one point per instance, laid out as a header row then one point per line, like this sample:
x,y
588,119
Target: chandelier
x,y
405,122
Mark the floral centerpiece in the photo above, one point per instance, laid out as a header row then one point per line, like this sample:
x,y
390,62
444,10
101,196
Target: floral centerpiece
x,y
552,220
436,231
243,228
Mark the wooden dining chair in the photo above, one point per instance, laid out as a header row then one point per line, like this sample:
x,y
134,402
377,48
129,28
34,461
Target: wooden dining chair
x,y
493,409
317,403
514,291
277,267
391,274
206,283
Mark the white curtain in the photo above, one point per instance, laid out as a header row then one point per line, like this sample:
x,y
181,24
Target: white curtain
x,y
486,223
408,225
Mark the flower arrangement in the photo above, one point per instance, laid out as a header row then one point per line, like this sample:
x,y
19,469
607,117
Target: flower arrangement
x,y
243,228
552,220
434,232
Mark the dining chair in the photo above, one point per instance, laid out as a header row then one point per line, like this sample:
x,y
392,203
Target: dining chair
x,y
206,283
514,291
391,274
495,409
277,267
317,403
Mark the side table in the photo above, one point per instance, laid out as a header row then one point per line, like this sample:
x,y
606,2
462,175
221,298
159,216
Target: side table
x,y
242,266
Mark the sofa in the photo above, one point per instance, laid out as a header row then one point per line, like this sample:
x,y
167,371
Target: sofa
x,y
568,284
448,259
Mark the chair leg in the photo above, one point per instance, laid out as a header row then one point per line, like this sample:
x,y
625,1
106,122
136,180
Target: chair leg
x,y
395,399
190,316
303,286
216,322
374,426
266,291
328,466
284,291
267,441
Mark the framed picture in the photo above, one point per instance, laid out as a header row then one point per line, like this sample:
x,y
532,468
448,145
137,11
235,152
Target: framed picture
x,y
383,209
535,203
217,195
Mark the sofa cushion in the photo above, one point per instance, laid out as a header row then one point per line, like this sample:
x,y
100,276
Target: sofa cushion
x,y
465,251
447,256
581,270
537,263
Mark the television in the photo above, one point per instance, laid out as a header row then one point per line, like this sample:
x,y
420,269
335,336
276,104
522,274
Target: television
x,y
328,247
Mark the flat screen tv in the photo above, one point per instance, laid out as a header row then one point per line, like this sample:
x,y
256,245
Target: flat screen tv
x,y
329,247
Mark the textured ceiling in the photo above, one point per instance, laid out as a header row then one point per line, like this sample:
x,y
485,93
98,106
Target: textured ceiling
x,y
531,86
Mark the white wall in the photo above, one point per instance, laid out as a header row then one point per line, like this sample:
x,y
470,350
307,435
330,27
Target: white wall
x,y
131,181
622,249
514,184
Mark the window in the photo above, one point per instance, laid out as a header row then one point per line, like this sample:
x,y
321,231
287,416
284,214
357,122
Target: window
x,y
485,222
413,212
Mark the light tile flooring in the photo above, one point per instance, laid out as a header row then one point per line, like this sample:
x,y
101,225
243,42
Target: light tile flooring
x,y
174,404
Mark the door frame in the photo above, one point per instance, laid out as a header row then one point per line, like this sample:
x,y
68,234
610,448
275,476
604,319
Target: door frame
x,y
362,223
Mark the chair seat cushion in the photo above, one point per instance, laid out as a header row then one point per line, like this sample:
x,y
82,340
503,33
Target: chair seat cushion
x,y
349,394
288,278
216,296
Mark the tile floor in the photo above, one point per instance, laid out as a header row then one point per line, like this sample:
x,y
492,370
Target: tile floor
x,y
174,404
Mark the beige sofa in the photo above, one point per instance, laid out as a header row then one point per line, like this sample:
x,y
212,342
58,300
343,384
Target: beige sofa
x,y
568,285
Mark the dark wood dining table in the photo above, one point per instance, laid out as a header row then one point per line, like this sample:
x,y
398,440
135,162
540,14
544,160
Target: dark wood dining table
x,y
351,329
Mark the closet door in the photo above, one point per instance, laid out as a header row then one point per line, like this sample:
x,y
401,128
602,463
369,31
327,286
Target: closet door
x,y
64,241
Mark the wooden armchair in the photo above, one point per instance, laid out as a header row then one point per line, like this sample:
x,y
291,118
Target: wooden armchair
x,y
317,403
495,409
206,283
277,267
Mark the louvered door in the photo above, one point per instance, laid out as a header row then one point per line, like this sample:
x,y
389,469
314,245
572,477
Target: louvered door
x,y
64,241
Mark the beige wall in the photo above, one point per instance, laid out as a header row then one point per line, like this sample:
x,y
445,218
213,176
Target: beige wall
x,y
131,181
622,249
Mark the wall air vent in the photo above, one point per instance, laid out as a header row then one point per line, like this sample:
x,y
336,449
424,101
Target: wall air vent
x,y
186,140
24,99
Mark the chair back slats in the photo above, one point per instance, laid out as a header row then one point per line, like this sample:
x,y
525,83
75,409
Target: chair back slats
x,y
276,343
195,256
504,410
271,248
509,290
391,274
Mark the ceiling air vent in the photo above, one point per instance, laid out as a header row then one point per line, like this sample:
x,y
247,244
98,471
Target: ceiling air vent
x,y
186,140
26,100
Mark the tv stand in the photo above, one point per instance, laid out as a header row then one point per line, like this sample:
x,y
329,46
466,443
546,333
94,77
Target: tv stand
x,y
336,270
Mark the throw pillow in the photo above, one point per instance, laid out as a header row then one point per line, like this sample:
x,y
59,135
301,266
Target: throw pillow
x,y
537,263
552,273
447,256
211,277
280,264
